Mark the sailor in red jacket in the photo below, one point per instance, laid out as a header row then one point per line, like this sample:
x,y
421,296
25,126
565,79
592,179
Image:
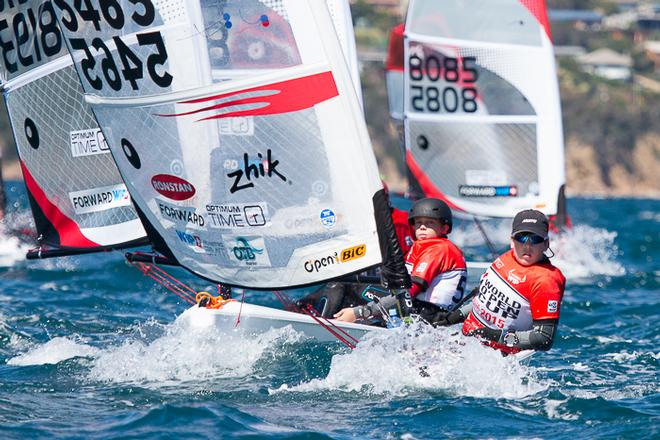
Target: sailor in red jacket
x,y
436,265
519,298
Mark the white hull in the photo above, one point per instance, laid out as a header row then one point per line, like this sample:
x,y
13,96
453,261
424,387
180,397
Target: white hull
x,y
258,319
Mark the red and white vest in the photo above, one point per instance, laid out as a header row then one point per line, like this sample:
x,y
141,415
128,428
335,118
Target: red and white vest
x,y
511,296
437,265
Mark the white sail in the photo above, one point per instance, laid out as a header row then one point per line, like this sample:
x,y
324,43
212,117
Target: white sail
x,y
482,113
340,11
237,130
78,199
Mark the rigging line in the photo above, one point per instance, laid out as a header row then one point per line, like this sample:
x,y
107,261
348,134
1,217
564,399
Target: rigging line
x,y
288,303
179,285
329,322
308,312
490,245
240,309
161,277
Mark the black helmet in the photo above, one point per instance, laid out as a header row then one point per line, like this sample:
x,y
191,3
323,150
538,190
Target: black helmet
x,y
433,208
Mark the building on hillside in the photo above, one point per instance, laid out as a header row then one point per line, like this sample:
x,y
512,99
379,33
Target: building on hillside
x,y
625,5
652,52
608,64
581,19
569,51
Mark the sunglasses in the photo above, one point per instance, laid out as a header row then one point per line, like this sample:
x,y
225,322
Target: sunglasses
x,y
529,238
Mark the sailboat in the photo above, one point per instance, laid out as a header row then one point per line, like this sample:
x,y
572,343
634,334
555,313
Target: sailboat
x,y
77,197
475,86
238,132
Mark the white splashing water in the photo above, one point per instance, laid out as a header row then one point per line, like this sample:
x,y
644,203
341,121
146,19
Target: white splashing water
x,y
649,215
54,351
12,250
185,353
584,252
419,357
580,252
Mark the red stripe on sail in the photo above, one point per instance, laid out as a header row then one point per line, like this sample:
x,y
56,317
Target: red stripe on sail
x,y
427,186
539,10
394,60
288,96
70,234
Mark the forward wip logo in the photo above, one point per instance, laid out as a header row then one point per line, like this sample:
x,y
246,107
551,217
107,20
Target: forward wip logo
x,y
353,253
172,187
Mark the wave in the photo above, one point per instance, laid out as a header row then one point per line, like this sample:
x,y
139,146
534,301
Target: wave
x,y
54,351
185,353
584,252
419,357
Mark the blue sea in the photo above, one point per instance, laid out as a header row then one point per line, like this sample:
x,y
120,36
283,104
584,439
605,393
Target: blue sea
x,y
90,348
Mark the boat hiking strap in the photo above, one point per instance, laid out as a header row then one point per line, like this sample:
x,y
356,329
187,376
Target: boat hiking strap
x,y
339,333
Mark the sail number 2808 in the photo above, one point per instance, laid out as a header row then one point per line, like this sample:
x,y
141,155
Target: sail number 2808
x,y
451,84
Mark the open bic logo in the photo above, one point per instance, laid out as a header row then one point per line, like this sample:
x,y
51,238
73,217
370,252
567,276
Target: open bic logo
x,y
353,253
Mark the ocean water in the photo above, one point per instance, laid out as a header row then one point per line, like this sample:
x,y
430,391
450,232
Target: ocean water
x,y
89,348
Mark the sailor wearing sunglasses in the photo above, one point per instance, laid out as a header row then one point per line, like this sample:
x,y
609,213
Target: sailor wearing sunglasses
x,y
518,302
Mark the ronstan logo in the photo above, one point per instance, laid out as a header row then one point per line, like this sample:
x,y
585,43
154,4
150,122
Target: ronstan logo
x,y
172,187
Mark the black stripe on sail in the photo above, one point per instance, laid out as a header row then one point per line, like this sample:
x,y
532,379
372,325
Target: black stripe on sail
x,y
46,232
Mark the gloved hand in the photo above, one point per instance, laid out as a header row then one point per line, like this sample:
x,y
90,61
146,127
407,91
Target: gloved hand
x,y
443,319
487,333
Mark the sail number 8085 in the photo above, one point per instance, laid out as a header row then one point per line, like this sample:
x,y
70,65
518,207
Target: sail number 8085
x,y
455,93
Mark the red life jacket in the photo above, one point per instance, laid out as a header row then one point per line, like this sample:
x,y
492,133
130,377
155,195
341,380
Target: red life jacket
x,y
511,296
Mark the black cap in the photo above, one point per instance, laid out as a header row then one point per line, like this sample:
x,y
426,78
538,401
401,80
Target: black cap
x,y
530,220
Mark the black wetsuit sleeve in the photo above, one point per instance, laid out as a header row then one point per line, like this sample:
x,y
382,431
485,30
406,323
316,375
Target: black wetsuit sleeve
x,y
371,309
540,337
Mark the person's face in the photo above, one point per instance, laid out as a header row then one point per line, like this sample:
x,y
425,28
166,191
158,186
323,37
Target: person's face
x,y
528,248
427,227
